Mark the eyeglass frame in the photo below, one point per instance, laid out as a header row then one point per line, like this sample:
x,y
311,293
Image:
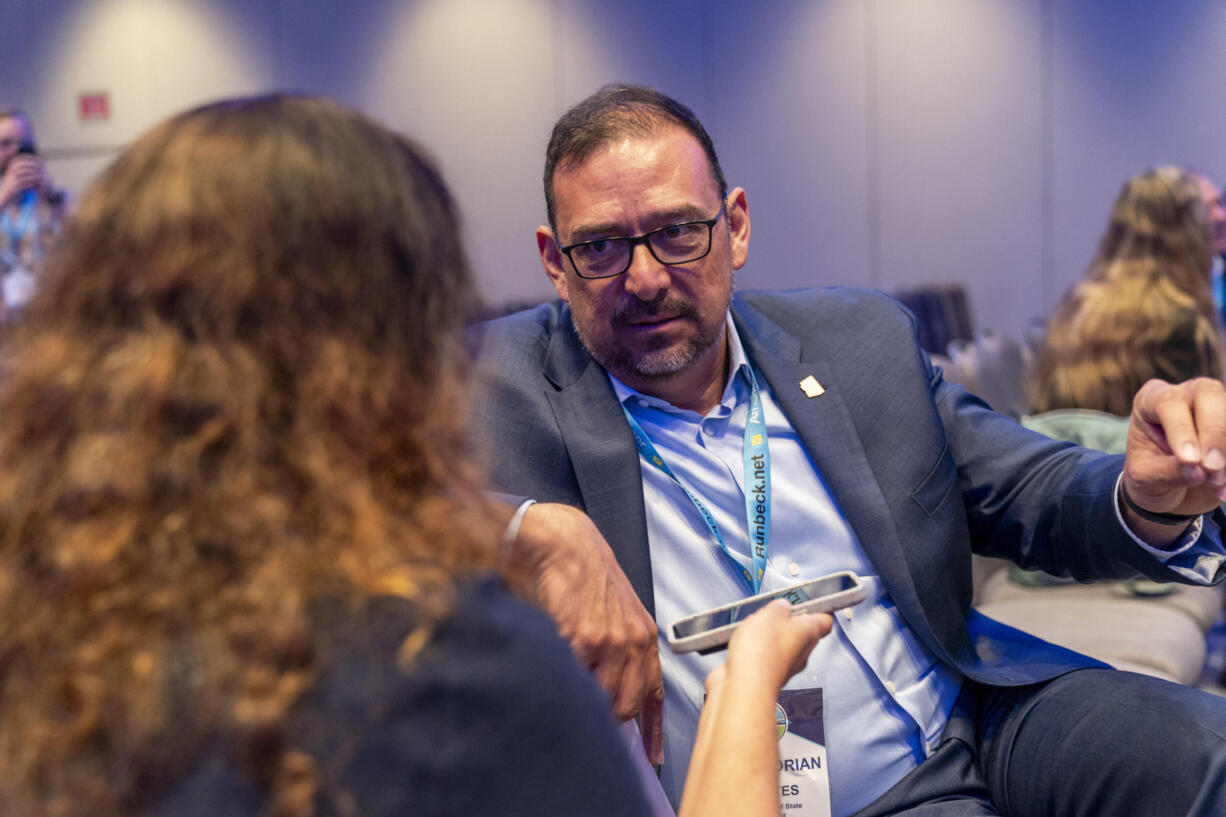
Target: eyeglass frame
x,y
645,239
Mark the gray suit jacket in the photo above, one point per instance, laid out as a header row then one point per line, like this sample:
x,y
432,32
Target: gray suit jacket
x,y
924,472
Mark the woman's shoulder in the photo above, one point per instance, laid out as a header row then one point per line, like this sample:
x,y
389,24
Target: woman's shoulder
x,y
493,714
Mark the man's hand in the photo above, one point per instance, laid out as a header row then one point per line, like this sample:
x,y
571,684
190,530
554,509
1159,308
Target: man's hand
x,y
24,172
580,585
1176,455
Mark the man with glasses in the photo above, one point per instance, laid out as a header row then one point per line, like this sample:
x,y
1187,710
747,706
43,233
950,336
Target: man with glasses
x,y
687,447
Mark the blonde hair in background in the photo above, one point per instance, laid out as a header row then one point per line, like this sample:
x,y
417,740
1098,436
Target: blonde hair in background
x,y
1159,221
1108,336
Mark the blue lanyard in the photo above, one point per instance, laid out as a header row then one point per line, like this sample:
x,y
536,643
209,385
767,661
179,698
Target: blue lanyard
x,y
756,460
16,231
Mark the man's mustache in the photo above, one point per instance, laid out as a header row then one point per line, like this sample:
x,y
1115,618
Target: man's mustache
x,y
662,304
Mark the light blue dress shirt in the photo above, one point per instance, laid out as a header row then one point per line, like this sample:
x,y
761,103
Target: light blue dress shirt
x,y
886,698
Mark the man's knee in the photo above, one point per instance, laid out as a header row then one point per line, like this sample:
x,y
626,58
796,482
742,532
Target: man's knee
x,y
1099,741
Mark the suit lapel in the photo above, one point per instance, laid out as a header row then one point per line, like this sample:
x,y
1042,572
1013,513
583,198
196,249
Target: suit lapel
x,y
602,453
606,462
824,424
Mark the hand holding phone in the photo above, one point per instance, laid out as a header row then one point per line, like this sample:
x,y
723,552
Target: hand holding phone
x,y
23,171
709,631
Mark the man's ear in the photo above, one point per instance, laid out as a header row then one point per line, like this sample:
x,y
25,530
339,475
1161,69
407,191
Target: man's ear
x,y
737,209
552,260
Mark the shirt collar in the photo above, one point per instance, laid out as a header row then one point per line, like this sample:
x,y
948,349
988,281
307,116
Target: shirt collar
x,y
738,364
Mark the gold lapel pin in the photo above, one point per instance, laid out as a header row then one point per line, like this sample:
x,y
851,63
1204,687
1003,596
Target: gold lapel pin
x,y
811,387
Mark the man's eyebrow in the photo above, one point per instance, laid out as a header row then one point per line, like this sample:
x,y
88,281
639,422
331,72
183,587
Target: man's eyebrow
x,y
589,232
658,219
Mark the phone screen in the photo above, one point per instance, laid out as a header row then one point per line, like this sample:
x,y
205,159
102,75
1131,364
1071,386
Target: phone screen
x,y
719,618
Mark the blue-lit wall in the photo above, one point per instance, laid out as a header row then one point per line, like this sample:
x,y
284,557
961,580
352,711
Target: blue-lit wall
x,y
882,142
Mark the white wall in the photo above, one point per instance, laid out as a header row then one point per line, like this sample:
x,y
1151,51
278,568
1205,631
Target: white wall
x,y
882,142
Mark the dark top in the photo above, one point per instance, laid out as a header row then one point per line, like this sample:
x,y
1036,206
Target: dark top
x,y
494,717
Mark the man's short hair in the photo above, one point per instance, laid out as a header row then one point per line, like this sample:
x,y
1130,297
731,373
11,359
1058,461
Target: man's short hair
x,y
615,111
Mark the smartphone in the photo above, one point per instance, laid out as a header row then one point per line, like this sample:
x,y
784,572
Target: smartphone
x,y
710,631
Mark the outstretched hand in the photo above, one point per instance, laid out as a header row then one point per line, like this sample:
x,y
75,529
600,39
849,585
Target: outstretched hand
x,y
735,765
580,585
1176,456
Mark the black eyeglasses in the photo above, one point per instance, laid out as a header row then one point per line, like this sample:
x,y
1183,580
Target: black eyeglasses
x,y
671,245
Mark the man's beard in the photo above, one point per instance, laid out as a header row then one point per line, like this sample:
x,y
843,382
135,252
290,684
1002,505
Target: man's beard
x,y
656,364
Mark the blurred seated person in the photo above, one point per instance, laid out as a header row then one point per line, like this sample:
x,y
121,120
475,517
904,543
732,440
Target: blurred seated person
x,y
244,569
31,209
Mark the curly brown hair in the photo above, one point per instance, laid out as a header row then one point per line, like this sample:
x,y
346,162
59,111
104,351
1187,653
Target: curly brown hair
x,y
239,390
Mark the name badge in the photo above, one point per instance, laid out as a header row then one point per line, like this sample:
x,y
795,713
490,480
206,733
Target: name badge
x,y
804,782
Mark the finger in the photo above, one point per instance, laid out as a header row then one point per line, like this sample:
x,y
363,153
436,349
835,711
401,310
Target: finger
x,y
810,628
816,627
25,180
1172,410
1210,407
25,165
611,672
632,646
628,697
651,716
779,610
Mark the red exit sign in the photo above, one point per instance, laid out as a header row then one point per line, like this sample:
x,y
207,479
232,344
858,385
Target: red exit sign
x,y
94,105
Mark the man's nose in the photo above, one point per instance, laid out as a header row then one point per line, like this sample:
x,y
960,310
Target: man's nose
x,y
645,277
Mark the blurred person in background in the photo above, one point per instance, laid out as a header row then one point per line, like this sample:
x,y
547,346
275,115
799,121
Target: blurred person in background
x,y
1211,195
1159,221
244,568
31,209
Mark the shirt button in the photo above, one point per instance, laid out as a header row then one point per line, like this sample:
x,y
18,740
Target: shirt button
x,y
708,430
890,686
930,746
847,613
794,569
641,401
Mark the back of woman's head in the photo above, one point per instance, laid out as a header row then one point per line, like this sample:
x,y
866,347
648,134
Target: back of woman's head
x,y
237,390
1107,337
1159,222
